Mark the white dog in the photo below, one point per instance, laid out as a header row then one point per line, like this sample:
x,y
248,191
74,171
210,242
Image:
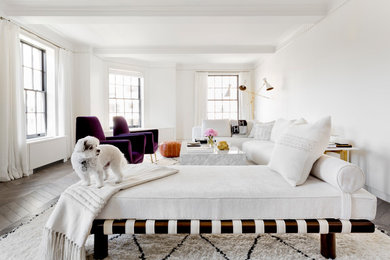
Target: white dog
x,y
90,158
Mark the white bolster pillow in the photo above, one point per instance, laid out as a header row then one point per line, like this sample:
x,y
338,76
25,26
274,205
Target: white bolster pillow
x,y
343,175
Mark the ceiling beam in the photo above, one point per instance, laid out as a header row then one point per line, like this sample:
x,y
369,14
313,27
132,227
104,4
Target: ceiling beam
x,y
168,19
124,52
170,8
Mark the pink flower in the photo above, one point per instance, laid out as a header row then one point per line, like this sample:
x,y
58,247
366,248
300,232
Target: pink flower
x,y
210,132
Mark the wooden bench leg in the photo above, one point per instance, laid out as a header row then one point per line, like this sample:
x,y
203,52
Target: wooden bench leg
x,y
100,246
328,245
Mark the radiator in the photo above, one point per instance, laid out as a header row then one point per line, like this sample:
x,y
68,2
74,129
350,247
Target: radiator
x,y
45,151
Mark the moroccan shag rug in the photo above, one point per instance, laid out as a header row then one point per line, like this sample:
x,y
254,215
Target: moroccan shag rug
x,y
24,243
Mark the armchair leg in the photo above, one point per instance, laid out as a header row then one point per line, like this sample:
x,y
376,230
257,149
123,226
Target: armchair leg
x,y
151,158
328,245
155,156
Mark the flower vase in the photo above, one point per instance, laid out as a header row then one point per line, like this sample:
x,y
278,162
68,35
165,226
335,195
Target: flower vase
x,y
210,141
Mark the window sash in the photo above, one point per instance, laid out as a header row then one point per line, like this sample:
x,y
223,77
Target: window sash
x,y
125,102
222,89
36,68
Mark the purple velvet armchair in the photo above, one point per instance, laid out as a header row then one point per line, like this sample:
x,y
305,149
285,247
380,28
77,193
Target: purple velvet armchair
x,y
132,146
121,129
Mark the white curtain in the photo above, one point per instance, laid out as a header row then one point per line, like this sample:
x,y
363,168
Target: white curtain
x,y
64,83
13,149
200,94
244,97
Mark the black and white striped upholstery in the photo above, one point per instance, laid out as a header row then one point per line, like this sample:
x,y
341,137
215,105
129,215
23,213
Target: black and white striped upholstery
x,y
321,226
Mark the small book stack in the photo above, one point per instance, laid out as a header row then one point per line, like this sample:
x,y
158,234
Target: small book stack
x,y
201,149
343,145
339,145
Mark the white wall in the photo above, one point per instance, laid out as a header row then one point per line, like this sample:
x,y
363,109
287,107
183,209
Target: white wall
x,y
341,67
99,90
160,97
81,84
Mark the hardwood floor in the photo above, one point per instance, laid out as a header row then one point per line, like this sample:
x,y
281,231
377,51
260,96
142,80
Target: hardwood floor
x,y
27,196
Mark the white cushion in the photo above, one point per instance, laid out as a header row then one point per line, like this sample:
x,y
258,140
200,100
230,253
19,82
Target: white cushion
x,y
343,175
298,148
258,152
222,126
281,126
233,192
263,131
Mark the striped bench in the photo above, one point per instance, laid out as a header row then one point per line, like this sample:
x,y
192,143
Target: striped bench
x,y
326,227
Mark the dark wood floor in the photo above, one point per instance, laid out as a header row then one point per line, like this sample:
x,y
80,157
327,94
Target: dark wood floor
x,y
23,197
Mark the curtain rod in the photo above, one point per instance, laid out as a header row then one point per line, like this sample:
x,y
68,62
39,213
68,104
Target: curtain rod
x,y
36,35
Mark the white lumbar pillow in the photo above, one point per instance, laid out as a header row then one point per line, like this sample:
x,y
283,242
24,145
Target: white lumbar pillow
x,y
281,126
298,148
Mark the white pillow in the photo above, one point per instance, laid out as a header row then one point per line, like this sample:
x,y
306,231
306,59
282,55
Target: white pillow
x,y
298,148
343,175
255,125
222,126
263,131
282,124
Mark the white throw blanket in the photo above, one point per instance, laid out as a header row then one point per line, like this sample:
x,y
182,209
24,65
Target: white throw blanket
x,y
70,223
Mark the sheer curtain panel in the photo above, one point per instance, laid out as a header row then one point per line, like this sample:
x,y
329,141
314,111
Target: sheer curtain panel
x,y
64,83
200,94
13,151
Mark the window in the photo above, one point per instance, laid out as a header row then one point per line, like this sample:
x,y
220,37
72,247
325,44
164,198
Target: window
x,y
222,97
34,84
125,98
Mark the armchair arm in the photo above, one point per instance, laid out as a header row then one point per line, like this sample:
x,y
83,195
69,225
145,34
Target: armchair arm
x,y
138,141
153,131
123,145
149,145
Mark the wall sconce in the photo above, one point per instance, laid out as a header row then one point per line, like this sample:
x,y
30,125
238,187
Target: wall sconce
x,y
253,94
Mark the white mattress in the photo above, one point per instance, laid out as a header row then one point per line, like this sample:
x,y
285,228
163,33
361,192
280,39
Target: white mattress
x,y
233,192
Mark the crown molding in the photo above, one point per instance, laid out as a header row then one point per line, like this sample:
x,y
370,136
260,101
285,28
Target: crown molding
x,y
169,8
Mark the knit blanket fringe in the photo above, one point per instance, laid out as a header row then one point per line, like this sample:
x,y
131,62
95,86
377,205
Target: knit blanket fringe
x,y
57,246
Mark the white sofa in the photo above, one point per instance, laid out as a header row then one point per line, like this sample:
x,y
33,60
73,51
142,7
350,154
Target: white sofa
x,y
259,152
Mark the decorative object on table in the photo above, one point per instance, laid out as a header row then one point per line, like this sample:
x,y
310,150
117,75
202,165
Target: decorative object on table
x,y
194,144
239,127
170,149
253,94
210,134
223,145
201,141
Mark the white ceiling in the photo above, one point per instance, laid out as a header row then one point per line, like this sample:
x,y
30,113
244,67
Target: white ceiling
x,y
191,31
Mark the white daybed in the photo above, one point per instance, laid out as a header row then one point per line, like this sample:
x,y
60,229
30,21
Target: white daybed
x,y
241,199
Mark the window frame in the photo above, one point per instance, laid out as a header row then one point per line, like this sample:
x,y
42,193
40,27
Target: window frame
x,y
237,99
44,88
139,97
